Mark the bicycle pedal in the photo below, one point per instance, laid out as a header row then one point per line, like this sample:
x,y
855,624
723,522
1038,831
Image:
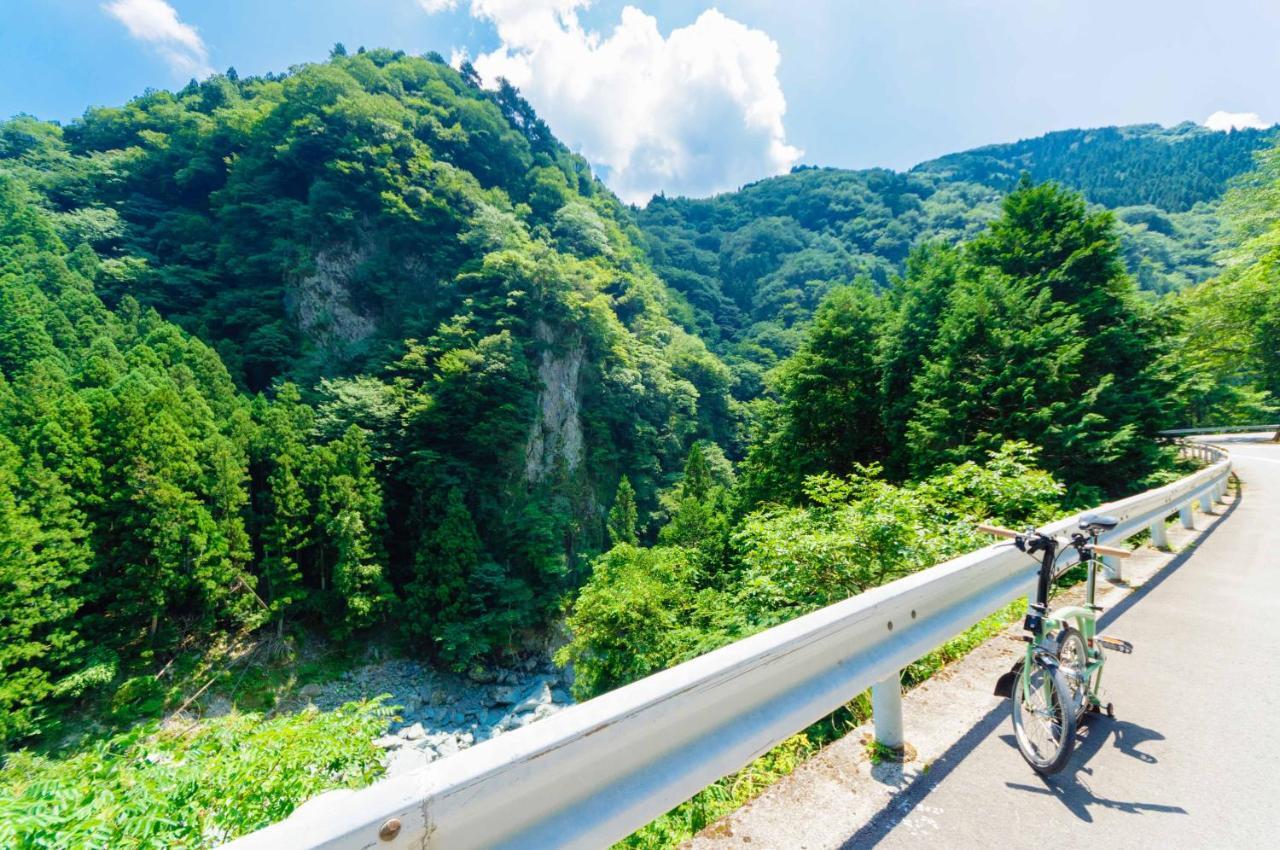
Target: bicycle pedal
x,y
1114,644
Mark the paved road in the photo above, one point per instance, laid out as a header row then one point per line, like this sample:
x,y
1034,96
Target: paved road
x,y
1193,756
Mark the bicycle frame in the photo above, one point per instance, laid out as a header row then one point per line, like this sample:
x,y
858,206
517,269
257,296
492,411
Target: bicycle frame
x,y
1044,625
1068,681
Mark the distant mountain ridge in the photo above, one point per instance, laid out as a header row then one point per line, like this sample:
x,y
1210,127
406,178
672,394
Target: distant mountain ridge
x,y
1173,168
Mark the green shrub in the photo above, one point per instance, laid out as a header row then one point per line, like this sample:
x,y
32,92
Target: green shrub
x,y
137,697
183,788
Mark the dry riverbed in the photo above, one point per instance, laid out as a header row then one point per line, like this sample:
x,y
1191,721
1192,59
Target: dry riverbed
x,y
443,713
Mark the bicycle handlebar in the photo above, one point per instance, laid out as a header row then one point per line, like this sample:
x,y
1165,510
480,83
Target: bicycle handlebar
x,y
1098,549
998,531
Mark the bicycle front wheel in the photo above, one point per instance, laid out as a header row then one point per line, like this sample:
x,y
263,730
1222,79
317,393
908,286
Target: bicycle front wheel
x,y
1044,718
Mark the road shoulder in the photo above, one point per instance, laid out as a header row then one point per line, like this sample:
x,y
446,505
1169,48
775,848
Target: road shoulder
x,y
840,793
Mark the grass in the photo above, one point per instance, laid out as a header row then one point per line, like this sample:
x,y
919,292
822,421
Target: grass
x,y
154,786
255,674
878,753
111,774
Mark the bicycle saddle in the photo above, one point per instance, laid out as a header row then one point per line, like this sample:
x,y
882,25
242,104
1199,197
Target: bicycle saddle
x,y
1098,522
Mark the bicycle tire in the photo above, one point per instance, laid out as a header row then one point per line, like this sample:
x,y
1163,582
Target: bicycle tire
x,y
1047,744
1073,660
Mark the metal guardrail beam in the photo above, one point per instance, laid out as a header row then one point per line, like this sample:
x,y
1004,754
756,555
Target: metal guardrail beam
x,y
594,773
1224,429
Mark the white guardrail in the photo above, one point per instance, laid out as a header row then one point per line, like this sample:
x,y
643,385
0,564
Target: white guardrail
x,y
592,774
1222,429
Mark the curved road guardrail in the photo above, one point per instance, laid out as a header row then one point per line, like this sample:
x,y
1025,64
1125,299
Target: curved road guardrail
x,y
1224,429
594,773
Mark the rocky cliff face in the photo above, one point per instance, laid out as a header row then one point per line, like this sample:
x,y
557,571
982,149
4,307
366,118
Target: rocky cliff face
x,y
325,311
555,436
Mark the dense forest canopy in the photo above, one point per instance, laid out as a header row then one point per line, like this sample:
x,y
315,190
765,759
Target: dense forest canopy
x,y
754,263
453,345
287,353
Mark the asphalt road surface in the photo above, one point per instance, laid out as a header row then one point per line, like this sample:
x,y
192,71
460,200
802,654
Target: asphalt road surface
x,y
1192,758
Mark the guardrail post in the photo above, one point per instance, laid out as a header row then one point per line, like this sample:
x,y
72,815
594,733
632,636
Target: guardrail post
x,y
1206,501
1221,494
886,711
1159,534
1111,568
1184,513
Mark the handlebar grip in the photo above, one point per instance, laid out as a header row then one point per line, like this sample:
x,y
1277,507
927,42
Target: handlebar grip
x,y
998,531
1111,550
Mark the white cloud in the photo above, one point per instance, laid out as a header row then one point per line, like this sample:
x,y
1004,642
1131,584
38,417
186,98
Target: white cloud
x,y
434,6
157,23
1224,121
696,112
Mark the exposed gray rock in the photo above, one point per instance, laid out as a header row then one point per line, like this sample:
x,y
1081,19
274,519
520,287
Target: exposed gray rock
x,y
540,695
413,733
545,710
555,438
441,712
325,309
219,706
406,760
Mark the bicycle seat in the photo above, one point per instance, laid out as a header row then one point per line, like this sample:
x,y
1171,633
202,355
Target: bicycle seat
x,y
1098,522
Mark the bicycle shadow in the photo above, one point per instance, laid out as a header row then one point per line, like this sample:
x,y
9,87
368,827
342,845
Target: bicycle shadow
x,y
1069,787
1075,796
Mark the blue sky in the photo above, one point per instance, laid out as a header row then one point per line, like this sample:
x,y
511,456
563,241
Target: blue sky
x,y
692,97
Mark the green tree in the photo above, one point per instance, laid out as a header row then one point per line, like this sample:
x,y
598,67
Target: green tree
x,y
640,613
444,597
828,417
40,569
285,539
623,516
352,518
1231,337
699,514
917,304
1043,339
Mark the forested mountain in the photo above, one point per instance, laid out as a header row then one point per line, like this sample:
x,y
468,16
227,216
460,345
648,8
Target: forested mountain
x,y
455,350
1171,168
754,263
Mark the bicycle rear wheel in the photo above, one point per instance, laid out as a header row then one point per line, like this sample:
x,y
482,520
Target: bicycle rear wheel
x,y
1073,661
1044,719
